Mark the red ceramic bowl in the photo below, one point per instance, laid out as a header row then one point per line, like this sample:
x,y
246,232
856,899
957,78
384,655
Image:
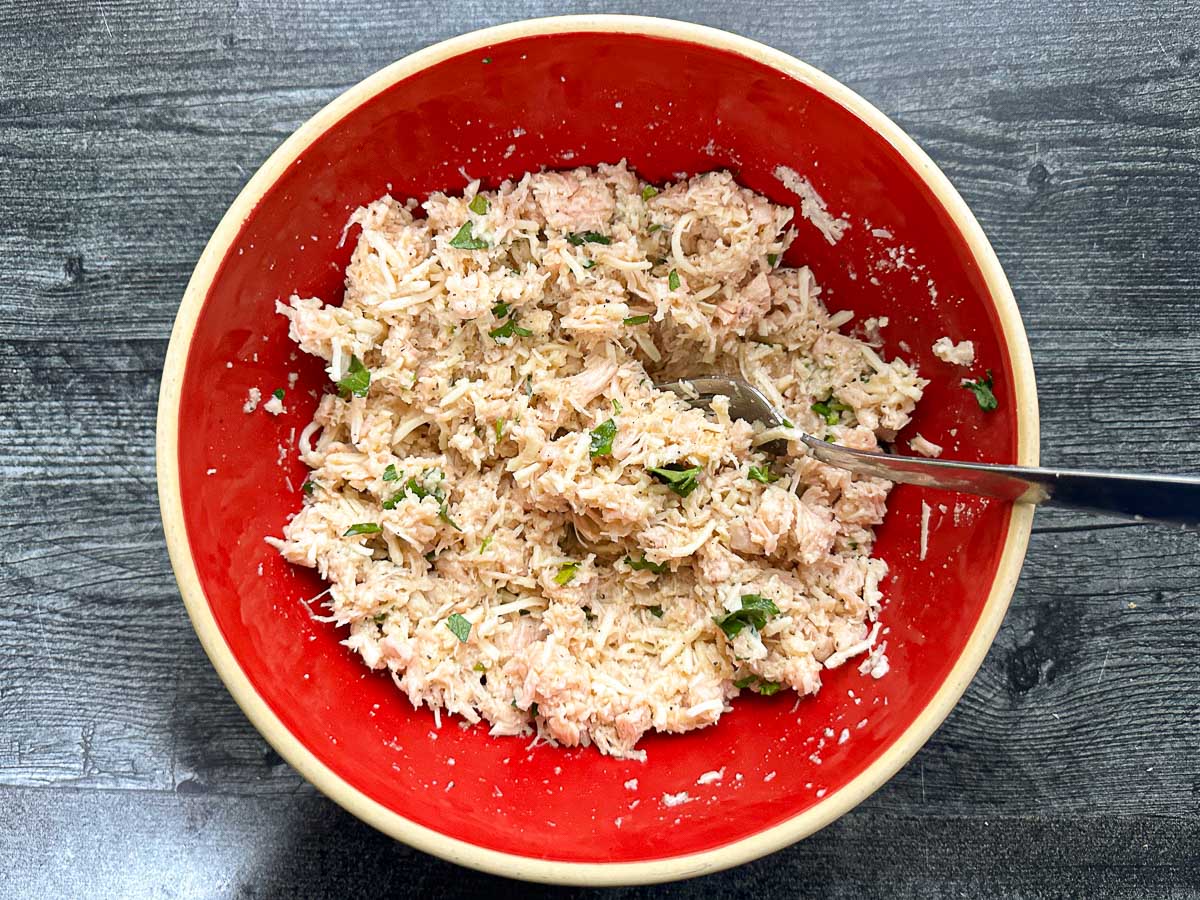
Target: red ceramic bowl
x,y
669,98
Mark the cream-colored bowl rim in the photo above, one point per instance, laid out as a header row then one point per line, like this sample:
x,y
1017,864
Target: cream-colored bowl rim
x,y
511,865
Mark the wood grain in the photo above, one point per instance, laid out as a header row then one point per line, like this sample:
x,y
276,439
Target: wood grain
x,y
1069,769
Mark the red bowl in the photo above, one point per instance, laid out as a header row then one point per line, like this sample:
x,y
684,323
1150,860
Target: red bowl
x,y
671,99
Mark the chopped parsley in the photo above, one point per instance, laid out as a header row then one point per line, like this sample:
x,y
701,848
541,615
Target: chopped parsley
x,y
479,667
277,393
649,191
982,389
656,611
635,320
754,612
762,474
760,685
464,240
673,280
500,310
499,426
678,477
444,515
508,329
787,423
487,542
308,487
830,410
644,565
589,264
390,473
390,502
566,572
616,405
461,627
362,528
579,238
478,204
653,228
602,438
772,258
420,489
356,381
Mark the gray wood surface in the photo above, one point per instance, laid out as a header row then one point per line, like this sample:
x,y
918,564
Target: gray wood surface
x,y
1071,767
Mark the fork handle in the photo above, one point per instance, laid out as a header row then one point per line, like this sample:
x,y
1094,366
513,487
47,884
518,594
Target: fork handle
x,y
1164,498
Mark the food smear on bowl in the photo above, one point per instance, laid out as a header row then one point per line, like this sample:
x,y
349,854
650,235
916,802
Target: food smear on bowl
x,y
520,527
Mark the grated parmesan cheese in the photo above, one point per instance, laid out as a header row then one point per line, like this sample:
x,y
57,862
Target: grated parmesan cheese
x,y
924,446
960,354
812,205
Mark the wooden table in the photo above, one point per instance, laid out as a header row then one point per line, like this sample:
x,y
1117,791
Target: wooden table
x,y
1072,766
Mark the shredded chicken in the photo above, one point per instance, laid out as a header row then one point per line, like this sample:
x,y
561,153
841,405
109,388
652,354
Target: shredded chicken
x,y
518,525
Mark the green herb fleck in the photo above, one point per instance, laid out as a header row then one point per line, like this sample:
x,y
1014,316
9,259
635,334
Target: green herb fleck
x,y
464,240
500,310
444,515
486,60
579,238
644,565
678,477
636,320
362,528
787,423
508,329
767,688
656,611
527,386
478,204
390,473
754,612
357,380
649,191
308,487
277,393
772,258
533,709
982,389
602,438
500,429
390,502
460,626
762,474
653,228
487,542
830,410
566,572
419,489
673,280
616,405
479,667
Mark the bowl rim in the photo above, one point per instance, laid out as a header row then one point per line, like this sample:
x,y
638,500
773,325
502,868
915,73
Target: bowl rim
x,y
513,865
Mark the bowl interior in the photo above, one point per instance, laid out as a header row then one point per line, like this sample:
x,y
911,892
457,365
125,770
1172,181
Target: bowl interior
x,y
670,108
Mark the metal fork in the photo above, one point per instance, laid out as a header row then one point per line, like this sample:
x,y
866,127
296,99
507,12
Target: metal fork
x,y
1166,498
